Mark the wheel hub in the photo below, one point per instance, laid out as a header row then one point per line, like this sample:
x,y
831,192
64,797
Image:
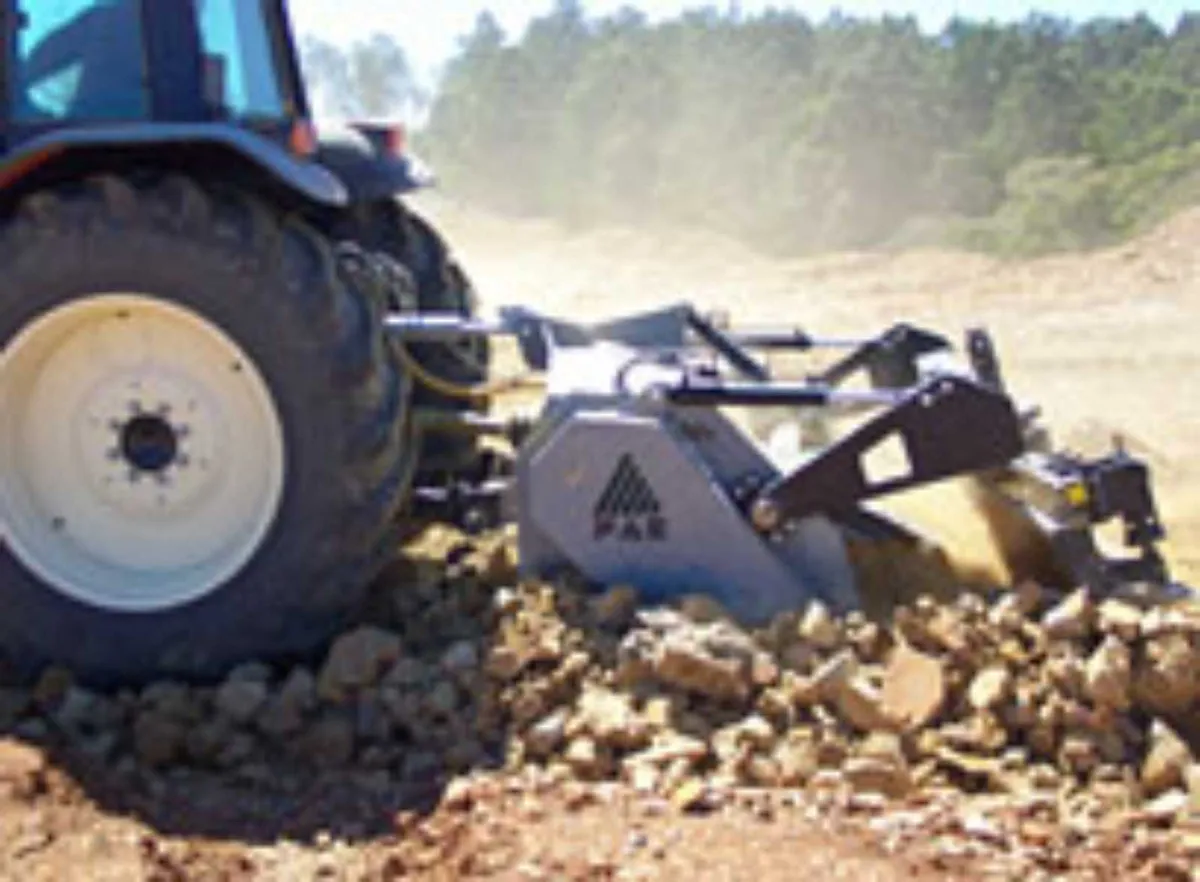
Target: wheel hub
x,y
144,465
150,445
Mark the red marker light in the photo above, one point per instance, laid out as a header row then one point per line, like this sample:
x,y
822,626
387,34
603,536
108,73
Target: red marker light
x,y
303,138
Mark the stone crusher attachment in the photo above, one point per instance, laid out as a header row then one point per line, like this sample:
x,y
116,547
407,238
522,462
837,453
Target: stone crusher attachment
x,y
635,472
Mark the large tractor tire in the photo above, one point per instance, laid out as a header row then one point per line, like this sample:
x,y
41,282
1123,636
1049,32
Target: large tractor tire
x,y
442,286
203,441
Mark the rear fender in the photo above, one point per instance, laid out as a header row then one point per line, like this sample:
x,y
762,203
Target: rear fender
x,y
370,165
254,160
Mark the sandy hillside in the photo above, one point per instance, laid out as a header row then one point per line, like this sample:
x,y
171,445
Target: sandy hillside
x,y
1106,342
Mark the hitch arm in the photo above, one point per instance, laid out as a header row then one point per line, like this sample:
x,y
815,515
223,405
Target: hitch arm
x,y
947,426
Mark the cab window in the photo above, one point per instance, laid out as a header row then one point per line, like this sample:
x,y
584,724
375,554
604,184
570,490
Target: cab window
x,y
241,77
79,60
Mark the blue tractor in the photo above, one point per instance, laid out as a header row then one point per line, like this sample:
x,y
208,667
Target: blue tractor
x,y
205,435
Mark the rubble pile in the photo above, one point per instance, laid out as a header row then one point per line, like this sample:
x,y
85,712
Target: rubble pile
x,y
1075,707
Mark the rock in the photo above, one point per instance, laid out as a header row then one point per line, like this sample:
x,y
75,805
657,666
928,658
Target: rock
x,y
703,609
205,743
642,777
691,668
830,677
421,765
797,761
914,688
1119,619
461,658
948,631
1167,760
1072,618
611,718
328,742
357,660
283,713
158,739
690,796
1191,778
990,688
240,700
819,628
13,705
616,607
1167,677
756,732
547,734
874,775
250,672
174,700
855,700
1166,807
670,747
21,768
443,699
584,757
82,712
51,687
1108,674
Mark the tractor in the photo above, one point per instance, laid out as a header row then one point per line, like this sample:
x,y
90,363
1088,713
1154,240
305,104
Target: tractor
x,y
205,437
225,340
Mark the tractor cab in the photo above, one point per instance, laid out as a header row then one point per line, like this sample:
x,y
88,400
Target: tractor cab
x,y
127,73
87,62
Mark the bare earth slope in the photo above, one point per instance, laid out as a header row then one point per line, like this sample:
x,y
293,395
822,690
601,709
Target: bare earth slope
x,y
1106,342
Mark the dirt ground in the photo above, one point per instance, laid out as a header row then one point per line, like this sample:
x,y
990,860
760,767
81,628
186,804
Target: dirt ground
x,y
1106,342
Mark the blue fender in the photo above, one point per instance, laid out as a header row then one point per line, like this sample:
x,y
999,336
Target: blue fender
x,y
306,178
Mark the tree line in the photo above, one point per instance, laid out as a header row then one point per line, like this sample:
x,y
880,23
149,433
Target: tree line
x,y
797,135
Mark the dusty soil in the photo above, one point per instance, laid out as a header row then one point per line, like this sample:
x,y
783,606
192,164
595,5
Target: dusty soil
x,y
1106,342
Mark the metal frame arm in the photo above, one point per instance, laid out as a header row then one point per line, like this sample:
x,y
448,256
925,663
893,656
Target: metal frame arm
x,y
949,426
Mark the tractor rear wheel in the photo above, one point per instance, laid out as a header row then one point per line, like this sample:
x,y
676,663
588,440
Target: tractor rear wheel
x,y
205,438
442,285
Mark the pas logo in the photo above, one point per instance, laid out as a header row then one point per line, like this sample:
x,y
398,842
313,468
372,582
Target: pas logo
x,y
628,510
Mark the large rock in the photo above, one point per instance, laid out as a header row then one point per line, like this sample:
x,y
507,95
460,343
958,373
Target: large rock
x,y
158,739
869,774
1072,618
1120,619
357,660
990,688
21,767
610,718
327,743
843,687
714,660
547,734
819,628
914,688
285,711
1166,680
240,700
1167,760
1108,675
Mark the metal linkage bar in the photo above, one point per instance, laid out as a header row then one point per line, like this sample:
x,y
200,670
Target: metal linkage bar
x,y
440,326
743,362
890,360
703,391
948,426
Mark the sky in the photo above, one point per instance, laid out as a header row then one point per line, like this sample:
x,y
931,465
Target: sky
x,y
429,29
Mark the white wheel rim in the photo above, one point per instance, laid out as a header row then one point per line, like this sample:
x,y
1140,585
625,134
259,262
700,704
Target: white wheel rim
x,y
141,453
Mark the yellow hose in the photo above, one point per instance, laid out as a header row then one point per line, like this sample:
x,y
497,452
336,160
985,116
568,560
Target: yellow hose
x,y
450,389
